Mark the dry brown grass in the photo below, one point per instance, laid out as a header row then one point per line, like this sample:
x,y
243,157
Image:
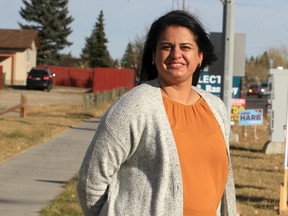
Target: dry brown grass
x,y
42,123
258,176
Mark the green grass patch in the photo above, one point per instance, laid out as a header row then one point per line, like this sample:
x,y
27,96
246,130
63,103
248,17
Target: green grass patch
x,y
65,204
14,135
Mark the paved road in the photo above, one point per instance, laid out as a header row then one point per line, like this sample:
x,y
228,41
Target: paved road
x,y
30,180
252,102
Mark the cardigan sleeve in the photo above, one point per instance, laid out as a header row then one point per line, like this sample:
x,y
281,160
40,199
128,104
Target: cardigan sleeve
x,y
228,203
101,162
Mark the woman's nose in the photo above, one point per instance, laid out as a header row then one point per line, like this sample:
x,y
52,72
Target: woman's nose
x,y
176,53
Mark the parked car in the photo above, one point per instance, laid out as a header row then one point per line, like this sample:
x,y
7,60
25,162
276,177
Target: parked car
x,y
40,78
252,90
264,89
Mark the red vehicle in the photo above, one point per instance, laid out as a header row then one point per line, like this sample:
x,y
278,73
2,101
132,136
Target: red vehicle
x,y
252,90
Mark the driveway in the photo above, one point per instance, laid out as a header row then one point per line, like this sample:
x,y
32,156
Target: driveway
x,y
58,95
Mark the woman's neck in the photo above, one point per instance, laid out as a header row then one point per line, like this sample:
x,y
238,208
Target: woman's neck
x,y
183,94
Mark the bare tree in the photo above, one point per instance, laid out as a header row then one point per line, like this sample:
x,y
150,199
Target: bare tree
x,y
278,57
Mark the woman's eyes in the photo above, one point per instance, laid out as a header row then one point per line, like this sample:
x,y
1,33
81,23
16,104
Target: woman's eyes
x,y
186,47
166,47
170,47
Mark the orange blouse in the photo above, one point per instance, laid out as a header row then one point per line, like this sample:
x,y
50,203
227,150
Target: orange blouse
x,y
202,154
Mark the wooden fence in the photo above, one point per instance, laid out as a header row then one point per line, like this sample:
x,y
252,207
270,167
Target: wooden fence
x,y
21,108
99,79
92,100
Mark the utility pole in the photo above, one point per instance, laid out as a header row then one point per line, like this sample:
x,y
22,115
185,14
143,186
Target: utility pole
x,y
228,43
178,3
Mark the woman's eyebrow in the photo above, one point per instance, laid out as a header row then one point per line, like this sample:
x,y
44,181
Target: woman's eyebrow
x,y
184,43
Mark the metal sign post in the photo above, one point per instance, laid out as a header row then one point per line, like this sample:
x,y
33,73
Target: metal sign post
x,y
284,187
228,30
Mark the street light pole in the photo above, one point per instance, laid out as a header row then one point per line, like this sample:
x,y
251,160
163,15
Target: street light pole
x,y
228,33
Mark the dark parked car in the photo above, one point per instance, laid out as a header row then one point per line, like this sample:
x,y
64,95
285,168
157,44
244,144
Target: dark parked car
x,y
40,78
252,90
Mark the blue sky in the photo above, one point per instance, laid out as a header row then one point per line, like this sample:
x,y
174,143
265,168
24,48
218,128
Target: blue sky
x,y
265,22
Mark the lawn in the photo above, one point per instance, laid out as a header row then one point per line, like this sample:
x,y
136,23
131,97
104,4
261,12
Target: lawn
x,y
258,176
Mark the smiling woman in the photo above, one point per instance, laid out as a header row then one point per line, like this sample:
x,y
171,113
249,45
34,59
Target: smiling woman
x,y
176,57
163,148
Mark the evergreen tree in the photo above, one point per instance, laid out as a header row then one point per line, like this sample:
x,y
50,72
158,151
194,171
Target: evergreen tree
x,y
128,60
257,69
95,51
264,60
50,18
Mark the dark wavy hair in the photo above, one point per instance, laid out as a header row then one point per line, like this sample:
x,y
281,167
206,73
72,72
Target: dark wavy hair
x,y
175,18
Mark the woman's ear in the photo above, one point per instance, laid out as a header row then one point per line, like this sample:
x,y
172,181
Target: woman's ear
x,y
200,58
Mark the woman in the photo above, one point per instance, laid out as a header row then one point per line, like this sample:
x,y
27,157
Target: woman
x,y
162,149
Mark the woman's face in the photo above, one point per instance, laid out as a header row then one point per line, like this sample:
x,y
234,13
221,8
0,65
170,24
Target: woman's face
x,y
176,56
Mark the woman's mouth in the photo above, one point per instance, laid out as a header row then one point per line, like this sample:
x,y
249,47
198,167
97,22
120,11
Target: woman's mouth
x,y
175,65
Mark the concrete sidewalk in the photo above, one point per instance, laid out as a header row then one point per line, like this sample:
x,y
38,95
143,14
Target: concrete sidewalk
x,y
29,181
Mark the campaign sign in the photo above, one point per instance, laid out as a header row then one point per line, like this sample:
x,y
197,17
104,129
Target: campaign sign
x,y
238,104
236,87
212,84
251,117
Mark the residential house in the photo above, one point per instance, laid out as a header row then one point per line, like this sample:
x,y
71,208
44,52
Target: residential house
x,y
18,54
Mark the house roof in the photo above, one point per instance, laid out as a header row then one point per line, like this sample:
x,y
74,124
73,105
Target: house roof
x,y
18,38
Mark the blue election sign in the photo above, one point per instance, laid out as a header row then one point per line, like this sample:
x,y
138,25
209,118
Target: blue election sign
x,y
251,117
212,84
236,87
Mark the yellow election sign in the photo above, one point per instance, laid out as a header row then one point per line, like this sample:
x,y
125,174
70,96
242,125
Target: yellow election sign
x,y
238,104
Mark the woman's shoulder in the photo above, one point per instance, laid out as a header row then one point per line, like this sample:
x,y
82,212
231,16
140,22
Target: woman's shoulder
x,y
139,100
141,94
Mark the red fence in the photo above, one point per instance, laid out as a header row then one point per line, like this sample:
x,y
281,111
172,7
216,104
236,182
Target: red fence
x,y
67,76
99,79
111,78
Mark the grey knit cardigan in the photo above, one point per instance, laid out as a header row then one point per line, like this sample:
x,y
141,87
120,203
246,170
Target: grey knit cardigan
x,y
131,166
